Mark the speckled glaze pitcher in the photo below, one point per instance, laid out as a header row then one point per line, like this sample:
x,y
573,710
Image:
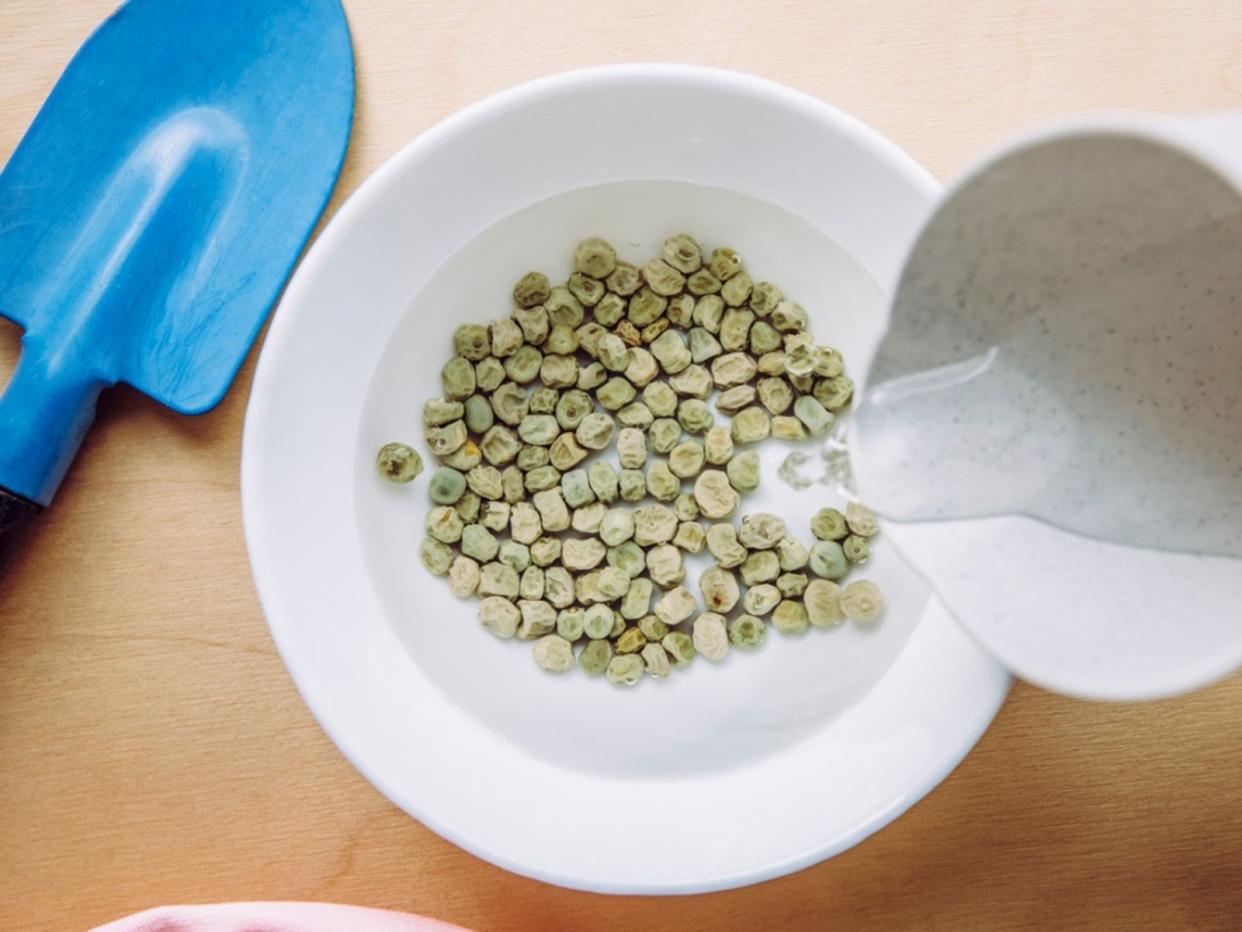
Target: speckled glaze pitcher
x,y
1053,421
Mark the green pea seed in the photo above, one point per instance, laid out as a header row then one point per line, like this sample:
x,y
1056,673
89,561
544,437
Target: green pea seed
x,y
708,312
695,416
533,322
680,311
743,471
636,414
790,617
645,307
472,341
563,308
857,549
686,459
694,381
761,566
733,400
680,647
624,280
736,290
663,484
625,669
747,632
627,557
614,394
811,413
610,309
603,479
725,263
791,585
545,551
398,462
523,366
829,524
828,560
633,485
662,278
437,557
446,485
685,507
587,290
660,398
682,252
592,376
595,257
457,379
595,658
531,289
671,351
764,297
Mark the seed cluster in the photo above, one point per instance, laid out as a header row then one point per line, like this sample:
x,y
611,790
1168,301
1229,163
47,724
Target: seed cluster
x,y
559,550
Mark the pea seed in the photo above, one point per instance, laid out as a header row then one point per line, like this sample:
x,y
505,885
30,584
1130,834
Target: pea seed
x,y
834,394
618,627
789,316
499,616
575,488
613,352
563,308
398,462
686,459
761,531
690,537
671,351
791,553
539,429
530,586
790,617
624,280
565,452
734,399
617,526
500,445
811,413
645,307
635,414
523,366
506,336
587,591
719,588
664,565
571,407
733,369
642,368
581,553
680,647
861,520
479,414
464,458
533,321
663,434
772,363
764,297
525,525
709,312
828,362
711,639
631,641
603,480
625,670
514,555
545,551
660,398
586,520
446,485
823,603
725,263
542,477
437,557
614,394
764,338
472,341
630,335
597,623
654,524
702,282
828,560
685,507
587,290
558,371
662,278
717,445
791,585
775,394
609,310
484,481
723,545
631,448
629,558
439,411
569,623
656,659
735,328
595,257
857,549
693,381
788,428
467,506
531,289
552,510
663,484
592,376
463,577
444,440
538,619
703,345
736,290
750,425
761,599
829,524
682,253
760,567
510,403
595,431
676,605
680,310
747,632
496,579
595,658
715,496
743,471
637,599
514,484
633,485
695,416
495,516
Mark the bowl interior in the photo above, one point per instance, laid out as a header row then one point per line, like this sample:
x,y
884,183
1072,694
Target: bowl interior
x,y
709,716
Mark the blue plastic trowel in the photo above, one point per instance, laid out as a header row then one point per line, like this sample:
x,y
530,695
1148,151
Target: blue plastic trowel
x,y
154,209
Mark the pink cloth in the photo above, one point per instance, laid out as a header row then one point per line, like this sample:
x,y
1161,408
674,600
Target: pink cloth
x,y
275,917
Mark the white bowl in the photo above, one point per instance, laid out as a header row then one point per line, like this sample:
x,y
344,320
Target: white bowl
x,y
723,774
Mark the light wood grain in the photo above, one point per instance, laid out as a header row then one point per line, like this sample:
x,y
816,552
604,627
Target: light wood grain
x,y
153,749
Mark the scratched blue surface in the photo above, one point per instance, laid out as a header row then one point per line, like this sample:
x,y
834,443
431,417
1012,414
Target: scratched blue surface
x,y
156,206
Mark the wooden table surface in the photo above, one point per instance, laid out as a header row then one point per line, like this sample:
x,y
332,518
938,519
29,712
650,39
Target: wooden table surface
x,y
153,749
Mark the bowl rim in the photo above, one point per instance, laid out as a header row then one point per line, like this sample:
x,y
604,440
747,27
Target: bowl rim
x,y
284,327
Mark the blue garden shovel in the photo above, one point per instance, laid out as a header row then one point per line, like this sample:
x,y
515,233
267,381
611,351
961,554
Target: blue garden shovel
x,y
154,209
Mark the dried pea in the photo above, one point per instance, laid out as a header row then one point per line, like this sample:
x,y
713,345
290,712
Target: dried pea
x,y
581,553
760,567
772,363
764,297
463,576
595,257
733,400
591,376
472,341
506,337
586,520
565,452
703,345
695,416
725,263
671,351
533,321
613,353
665,566
750,425
595,431
761,531
514,555
631,448
542,477
682,253
656,659
495,516
723,545
545,551
743,471
446,485
823,603
857,549
790,617
531,289
398,462
761,599
680,311
563,308
828,362
538,619
630,335
597,622
636,414
735,328
791,585
690,537
719,588
569,623
861,520
631,641
467,506
662,278
617,526
834,393
654,524
660,398
514,484
663,434
789,316
787,428
811,413
637,599
613,583
484,481
523,366
464,458
733,369
775,394
587,290
663,484
686,459
829,524
440,411
715,496
828,560
747,632
711,639
616,393
575,488
595,658
708,313
500,445
680,647
629,558
676,605
642,368
603,479
496,579
444,440
499,616
479,414
764,338
571,407
437,557
702,282
552,509
645,308
624,280
736,290
531,583
625,670
633,485
685,507
693,381
558,371
525,525
791,553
